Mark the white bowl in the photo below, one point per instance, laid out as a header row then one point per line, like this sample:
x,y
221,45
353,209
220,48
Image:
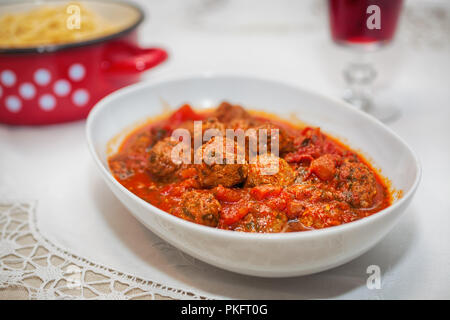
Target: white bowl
x,y
267,255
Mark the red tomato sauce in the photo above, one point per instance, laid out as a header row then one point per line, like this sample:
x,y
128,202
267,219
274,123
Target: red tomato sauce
x,y
320,183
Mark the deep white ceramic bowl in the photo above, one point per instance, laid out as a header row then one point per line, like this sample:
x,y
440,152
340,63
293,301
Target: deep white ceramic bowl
x,y
267,255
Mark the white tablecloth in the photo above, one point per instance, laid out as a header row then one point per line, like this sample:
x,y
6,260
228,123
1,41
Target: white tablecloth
x,y
286,40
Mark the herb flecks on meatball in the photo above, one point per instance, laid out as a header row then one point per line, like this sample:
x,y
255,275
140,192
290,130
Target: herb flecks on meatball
x,y
262,219
227,112
162,165
269,169
200,207
357,183
228,172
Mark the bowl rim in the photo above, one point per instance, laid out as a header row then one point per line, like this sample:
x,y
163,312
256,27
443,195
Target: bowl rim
x,y
103,103
51,48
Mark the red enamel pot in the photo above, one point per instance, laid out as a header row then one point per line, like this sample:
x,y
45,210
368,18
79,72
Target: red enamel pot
x,y
58,83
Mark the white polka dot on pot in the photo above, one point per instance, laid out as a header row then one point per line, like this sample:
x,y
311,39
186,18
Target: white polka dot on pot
x,y
77,72
47,102
27,90
13,104
80,97
62,87
8,78
42,77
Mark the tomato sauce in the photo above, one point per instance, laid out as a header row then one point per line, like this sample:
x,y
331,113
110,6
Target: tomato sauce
x,y
322,182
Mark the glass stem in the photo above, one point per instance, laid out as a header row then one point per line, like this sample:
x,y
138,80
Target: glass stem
x,y
359,76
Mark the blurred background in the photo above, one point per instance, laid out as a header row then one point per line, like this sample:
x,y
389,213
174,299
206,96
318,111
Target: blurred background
x,y
286,40
290,40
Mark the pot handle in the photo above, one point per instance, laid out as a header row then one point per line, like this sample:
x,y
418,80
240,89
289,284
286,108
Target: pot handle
x,y
126,59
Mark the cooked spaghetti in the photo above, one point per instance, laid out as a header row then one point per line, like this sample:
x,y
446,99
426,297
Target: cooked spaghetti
x,y
48,25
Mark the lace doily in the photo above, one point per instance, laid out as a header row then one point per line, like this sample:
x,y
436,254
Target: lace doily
x,y
41,270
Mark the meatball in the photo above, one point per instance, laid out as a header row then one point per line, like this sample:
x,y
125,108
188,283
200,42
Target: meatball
x,y
158,134
211,172
316,206
141,142
262,219
323,215
269,169
199,207
227,112
210,123
311,192
161,165
243,123
284,140
358,185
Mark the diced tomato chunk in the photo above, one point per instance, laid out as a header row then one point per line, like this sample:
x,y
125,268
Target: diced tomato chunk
x,y
173,190
265,191
226,194
276,203
189,183
331,148
184,113
324,167
234,213
188,173
294,209
294,157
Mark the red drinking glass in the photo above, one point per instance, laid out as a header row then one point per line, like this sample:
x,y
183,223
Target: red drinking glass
x,y
364,26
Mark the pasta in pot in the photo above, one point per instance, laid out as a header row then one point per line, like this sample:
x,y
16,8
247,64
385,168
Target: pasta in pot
x,y
48,25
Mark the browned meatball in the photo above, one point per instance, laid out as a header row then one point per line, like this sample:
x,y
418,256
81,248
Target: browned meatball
x,y
284,140
214,126
161,165
227,112
141,142
211,173
158,134
243,123
269,169
210,123
336,213
201,207
262,219
310,192
317,206
359,187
